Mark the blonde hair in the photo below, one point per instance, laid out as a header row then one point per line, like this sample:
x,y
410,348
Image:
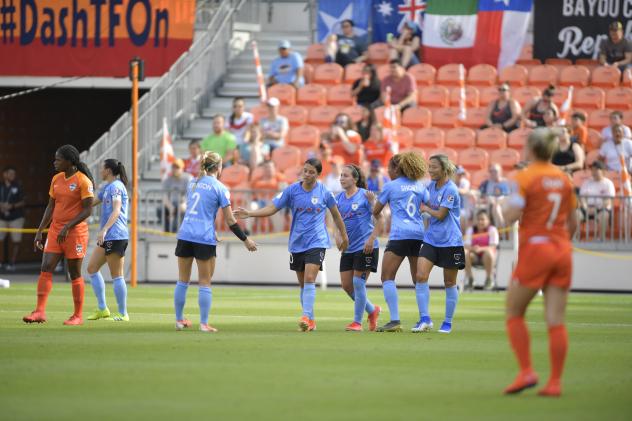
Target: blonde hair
x,y
210,162
543,143
446,165
411,164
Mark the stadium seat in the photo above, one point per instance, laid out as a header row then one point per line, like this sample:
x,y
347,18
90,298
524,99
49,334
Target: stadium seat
x,y
482,75
449,152
446,118
507,158
429,138
420,151
619,98
605,77
594,140
315,54
473,159
423,73
354,112
285,157
478,177
256,173
285,93
526,53
591,157
328,74
471,96
449,75
518,138
475,117
543,75
580,176
259,111
383,70
491,139
311,95
339,95
404,137
589,98
487,95
559,63
417,117
460,138
627,118
529,63
322,116
627,79
308,72
292,174
577,76
235,176
353,72
304,136
433,96
560,95
588,63
515,75
525,94
295,114
598,119
378,53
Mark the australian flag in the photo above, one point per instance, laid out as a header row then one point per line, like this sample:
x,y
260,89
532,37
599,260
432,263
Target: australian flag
x,y
331,13
389,16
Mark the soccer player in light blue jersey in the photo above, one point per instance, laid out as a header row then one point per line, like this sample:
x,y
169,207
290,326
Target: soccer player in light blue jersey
x,y
196,238
443,242
405,195
308,200
355,204
112,241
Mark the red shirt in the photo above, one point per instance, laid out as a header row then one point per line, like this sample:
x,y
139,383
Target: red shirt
x,y
378,150
337,148
400,89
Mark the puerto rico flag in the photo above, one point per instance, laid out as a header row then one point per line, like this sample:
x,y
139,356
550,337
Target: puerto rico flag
x,y
331,13
390,15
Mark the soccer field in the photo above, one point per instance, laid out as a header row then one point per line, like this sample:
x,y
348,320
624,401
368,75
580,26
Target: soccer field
x,y
259,367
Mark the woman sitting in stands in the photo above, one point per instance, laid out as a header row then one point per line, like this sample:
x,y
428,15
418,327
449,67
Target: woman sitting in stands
x,y
569,156
405,47
344,140
534,110
504,113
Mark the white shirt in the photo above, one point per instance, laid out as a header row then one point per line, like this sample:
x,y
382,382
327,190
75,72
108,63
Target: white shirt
x,y
611,153
590,187
332,182
606,133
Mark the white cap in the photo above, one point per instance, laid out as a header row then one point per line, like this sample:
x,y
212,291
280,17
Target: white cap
x,y
273,102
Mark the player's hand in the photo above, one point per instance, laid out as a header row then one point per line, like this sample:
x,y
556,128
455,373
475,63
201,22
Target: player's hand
x,y
61,237
370,196
344,244
368,245
250,245
101,237
241,213
38,244
424,208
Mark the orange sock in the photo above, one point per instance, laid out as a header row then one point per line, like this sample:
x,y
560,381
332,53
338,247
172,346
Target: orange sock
x,y
77,295
558,345
44,286
519,339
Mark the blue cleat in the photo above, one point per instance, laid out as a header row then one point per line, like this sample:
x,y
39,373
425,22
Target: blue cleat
x,y
445,327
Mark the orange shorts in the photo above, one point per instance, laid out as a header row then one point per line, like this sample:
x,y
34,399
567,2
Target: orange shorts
x,y
543,261
74,247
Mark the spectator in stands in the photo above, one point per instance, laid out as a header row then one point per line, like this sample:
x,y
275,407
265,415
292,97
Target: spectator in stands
x,y
405,47
252,152
192,163
611,150
366,90
403,86
347,47
616,119
332,179
595,199
534,110
616,50
221,141
239,122
504,113
344,140
274,126
365,124
468,198
550,118
11,214
175,198
493,190
569,156
377,147
481,243
579,131
265,187
377,176
287,68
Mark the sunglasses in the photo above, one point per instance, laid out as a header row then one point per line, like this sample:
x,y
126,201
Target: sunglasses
x,y
503,90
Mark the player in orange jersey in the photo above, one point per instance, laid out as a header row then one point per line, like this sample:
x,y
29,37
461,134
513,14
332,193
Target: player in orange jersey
x,y
545,200
69,204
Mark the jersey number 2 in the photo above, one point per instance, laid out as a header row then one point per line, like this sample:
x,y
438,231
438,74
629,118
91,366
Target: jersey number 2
x,y
196,199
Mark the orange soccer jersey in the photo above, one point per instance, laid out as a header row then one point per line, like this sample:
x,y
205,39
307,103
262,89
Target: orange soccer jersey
x,y
68,194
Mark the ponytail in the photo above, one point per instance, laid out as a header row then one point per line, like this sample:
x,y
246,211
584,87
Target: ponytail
x,y
117,168
358,176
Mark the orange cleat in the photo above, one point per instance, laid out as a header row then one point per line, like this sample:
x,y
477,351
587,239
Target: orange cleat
x,y
306,324
552,389
35,317
74,320
207,328
372,319
354,327
523,381
182,324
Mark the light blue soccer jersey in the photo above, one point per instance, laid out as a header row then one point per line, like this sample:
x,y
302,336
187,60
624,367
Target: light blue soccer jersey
x,y
405,196
204,197
110,192
308,209
356,213
446,233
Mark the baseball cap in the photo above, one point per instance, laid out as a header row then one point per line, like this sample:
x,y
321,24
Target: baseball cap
x,y
615,26
376,163
178,163
460,170
285,44
598,164
273,102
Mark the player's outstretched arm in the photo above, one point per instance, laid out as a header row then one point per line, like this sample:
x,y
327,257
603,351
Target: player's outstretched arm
x,y
241,213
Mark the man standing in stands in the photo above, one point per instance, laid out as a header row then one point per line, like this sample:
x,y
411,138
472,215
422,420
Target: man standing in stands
x,y
287,68
616,50
11,214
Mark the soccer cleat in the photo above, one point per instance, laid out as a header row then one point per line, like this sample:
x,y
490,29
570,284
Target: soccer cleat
x,y
523,381
354,327
489,285
392,326
372,318
445,327
423,325
35,317
204,327
182,324
118,317
99,314
552,390
306,324
74,320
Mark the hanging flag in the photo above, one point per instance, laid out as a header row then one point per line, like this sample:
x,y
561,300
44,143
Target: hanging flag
x,y
566,108
390,15
166,151
626,184
390,121
462,103
263,93
331,13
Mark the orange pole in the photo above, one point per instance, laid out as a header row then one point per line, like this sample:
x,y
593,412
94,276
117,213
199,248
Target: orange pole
x,y
134,216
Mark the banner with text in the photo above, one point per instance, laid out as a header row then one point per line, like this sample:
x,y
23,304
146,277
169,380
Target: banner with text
x,y
92,37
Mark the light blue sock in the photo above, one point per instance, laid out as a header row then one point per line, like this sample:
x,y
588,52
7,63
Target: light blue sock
x,y
205,295
390,295
309,297
422,292
451,298
179,298
359,292
98,286
301,298
120,292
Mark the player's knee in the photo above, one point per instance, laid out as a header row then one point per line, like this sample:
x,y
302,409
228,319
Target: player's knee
x,y
422,278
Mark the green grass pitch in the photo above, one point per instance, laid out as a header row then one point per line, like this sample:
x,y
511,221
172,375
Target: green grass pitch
x,y
260,368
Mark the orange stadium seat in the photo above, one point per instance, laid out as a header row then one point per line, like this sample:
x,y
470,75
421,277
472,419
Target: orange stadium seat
x,y
449,152
311,95
449,74
259,111
598,119
529,63
589,98
295,114
487,95
560,95
594,140
619,98
383,70
515,75
605,77
316,54
328,74
292,174
627,79
460,138
577,76
580,176
417,117
482,75
304,136
491,139
285,93
473,159
478,177
414,149
339,95
559,63
322,116
589,63
471,96
353,72
446,118
525,94
235,176
256,173
429,138
543,75
308,72
433,96
378,53
507,158
526,53
423,73
591,157
354,112
627,118
518,138
404,137
475,117
286,156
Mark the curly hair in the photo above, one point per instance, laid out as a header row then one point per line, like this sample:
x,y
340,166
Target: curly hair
x,y
411,164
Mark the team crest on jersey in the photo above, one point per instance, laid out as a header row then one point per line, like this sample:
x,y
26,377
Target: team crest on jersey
x,y
72,186
79,248
354,206
314,200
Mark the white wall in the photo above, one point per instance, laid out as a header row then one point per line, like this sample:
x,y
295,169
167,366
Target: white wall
x,y
286,17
